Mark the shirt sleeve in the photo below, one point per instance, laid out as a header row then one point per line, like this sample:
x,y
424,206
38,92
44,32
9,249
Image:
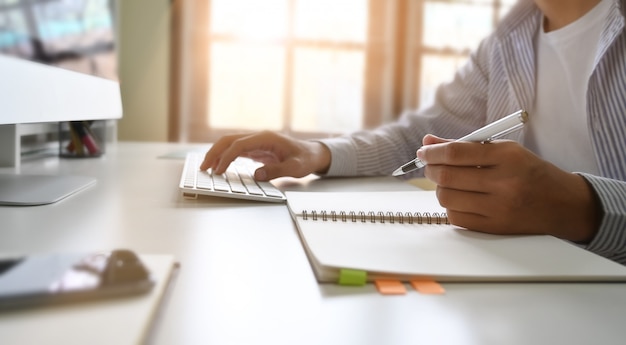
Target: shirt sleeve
x,y
459,108
610,241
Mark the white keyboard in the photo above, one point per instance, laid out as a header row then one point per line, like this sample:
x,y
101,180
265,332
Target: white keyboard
x,y
237,182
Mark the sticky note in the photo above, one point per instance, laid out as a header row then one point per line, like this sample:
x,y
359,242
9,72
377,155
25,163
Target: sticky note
x,y
428,287
390,287
352,277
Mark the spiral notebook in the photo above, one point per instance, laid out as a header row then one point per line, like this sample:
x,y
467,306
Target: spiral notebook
x,y
406,236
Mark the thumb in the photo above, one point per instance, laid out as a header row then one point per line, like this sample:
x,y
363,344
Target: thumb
x,y
270,171
288,167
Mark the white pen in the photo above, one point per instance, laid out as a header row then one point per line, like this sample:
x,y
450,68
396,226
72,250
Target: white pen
x,y
492,131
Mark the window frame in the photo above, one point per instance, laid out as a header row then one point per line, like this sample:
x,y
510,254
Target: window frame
x,y
394,50
189,118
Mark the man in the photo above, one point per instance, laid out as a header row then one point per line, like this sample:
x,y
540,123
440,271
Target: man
x,y
564,61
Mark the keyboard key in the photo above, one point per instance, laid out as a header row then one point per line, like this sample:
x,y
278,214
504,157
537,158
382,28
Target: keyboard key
x,y
251,185
220,183
205,181
244,173
190,177
270,190
254,190
235,183
238,181
189,182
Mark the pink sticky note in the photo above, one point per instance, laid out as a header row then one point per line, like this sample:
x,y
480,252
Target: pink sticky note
x,y
390,287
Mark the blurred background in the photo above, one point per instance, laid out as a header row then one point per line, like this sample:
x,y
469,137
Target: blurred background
x,y
194,70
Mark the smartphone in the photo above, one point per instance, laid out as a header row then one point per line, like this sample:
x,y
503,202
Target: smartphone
x,y
38,280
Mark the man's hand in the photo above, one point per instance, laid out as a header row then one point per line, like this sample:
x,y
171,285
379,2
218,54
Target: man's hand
x,y
281,155
500,187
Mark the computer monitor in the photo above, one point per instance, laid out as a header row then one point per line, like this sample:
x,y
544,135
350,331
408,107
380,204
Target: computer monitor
x,y
57,63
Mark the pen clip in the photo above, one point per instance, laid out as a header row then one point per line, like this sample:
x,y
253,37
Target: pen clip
x,y
504,132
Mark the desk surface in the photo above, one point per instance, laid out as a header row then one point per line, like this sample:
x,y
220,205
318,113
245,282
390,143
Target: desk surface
x,y
244,277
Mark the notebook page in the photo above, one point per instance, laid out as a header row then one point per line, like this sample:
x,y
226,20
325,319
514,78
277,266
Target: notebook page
x,y
448,253
439,251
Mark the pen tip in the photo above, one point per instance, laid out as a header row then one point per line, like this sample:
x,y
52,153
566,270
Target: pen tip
x,y
397,172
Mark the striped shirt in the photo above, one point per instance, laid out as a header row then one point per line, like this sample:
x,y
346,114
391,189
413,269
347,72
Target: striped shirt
x,y
499,79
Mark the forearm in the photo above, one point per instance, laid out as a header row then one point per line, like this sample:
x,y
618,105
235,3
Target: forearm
x,y
373,152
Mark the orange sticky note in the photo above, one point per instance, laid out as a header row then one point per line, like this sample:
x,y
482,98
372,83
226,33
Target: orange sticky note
x,y
390,287
428,287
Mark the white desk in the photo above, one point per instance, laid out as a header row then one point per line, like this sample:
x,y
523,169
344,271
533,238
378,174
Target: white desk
x,y
244,278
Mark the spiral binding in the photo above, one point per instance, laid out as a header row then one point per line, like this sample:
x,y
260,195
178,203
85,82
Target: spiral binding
x,y
378,217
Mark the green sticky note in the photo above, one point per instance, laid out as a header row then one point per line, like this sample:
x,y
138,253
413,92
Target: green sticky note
x,y
352,277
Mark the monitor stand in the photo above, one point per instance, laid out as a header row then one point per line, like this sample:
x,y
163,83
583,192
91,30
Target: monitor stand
x,y
32,190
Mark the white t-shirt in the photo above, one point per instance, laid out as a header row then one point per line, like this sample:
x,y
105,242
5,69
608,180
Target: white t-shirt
x,y
557,127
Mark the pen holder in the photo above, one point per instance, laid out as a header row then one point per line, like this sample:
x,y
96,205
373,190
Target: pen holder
x,y
82,139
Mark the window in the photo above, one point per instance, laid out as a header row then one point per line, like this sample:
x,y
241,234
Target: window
x,y
316,67
449,31
76,35
287,65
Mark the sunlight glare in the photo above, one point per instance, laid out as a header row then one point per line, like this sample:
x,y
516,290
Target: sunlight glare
x,y
247,83
250,19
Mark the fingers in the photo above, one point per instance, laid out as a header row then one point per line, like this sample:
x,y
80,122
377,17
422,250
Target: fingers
x,y
225,150
474,211
462,201
280,154
430,139
304,158
465,209
465,153
470,221
212,157
472,179
271,171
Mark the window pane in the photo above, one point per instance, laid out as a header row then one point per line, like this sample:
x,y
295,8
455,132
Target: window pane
x,y
504,9
331,20
264,19
456,26
67,26
246,83
14,33
437,69
328,90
